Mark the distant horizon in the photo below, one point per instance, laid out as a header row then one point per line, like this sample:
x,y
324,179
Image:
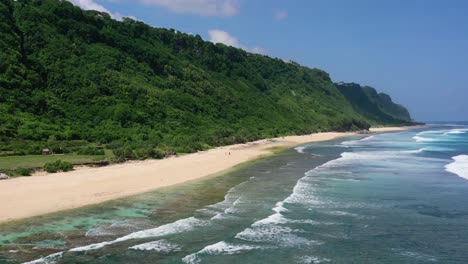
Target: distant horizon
x,y
445,121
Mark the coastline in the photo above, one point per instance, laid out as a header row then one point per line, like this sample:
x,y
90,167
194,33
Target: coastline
x,y
38,195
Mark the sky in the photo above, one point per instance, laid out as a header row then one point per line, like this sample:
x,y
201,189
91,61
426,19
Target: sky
x,y
414,50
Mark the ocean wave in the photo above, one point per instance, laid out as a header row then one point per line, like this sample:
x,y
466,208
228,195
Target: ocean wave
x,y
415,151
53,258
274,228
435,149
447,125
445,135
226,207
457,131
207,212
303,194
282,236
341,213
312,260
161,246
426,132
279,207
380,154
220,248
300,149
353,156
415,255
99,232
270,229
217,211
354,142
227,248
231,205
228,211
424,139
114,228
179,226
369,138
278,218
229,199
263,232
348,158
343,179
459,166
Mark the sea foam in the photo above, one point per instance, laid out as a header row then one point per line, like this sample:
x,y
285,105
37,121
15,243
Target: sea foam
x,y
436,149
312,260
459,166
300,149
424,139
220,248
179,226
354,142
439,135
278,235
228,206
53,258
456,131
161,246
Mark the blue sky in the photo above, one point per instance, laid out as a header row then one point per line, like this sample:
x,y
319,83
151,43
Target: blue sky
x,y
414,50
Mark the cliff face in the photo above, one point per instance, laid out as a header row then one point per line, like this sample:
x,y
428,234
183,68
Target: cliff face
x,y
377,107
73,75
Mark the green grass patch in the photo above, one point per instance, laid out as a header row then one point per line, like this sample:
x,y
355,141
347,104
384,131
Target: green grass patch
x,y
38,161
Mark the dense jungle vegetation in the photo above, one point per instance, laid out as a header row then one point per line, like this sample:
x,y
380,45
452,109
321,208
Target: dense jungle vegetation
x,y
78,81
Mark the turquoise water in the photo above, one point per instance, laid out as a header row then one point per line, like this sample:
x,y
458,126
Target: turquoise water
x,y
388,198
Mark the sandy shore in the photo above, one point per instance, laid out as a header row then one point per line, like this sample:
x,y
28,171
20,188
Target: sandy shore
x,y
31,196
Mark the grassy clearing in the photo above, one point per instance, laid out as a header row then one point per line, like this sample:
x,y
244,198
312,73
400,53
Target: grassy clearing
x,y
38,161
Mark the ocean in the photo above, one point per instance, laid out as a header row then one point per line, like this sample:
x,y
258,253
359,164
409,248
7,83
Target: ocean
x,y
385,198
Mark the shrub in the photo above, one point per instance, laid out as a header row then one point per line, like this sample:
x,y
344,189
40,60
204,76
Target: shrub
x,y
57,166
91,151
124,153
52,167
159,154
66,166
24,171
144,153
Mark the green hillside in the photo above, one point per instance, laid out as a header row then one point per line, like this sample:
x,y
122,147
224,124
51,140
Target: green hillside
x,y
78,81
376,107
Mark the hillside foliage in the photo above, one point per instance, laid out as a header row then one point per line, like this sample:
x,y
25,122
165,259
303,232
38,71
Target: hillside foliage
x,y
73,79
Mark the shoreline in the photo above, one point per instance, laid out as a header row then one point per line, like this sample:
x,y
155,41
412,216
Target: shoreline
x,y
42,194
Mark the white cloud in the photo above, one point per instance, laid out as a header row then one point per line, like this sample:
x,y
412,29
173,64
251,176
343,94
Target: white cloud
x,y
91,5
258,50
220,36
281,15
199,7
222,8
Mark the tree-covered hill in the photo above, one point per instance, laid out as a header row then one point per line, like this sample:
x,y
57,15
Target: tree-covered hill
x,y
71,78
376,107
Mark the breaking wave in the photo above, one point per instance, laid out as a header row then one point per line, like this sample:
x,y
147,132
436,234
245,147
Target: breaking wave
x,y
459,166
220,248
161,246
